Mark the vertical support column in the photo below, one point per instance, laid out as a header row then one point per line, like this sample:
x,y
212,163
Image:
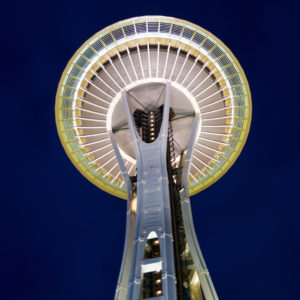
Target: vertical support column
x,y
204,279
153,211
122,286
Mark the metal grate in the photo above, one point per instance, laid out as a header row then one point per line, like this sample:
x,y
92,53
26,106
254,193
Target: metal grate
x,y
153,26
208,44
89,53
165,27
82,62
71,81
198,38
107,39
235,80
97,45
224,61
230,70
176,30
68,92
141,27
129,30
118,34
75,71
217,52
187,33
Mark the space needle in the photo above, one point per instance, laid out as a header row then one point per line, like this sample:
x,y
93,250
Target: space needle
x,y
154,110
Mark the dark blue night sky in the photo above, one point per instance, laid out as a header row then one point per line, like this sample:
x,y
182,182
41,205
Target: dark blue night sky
x,y
62,238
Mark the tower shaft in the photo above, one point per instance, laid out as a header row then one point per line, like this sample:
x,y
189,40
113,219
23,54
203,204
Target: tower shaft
x,y
162,259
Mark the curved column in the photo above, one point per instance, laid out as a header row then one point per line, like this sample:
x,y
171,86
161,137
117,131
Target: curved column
x,y
204,278
122,286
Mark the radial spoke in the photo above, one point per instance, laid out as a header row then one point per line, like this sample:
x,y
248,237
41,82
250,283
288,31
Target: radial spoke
x,y
208,156
125,69
132,65
140,59
95,150
93,95
213,94
191,175
116,70
175,62
217,118
131,168
207,77
96,159
89,119
157,61
183,65
105,83
149,60
91,135
215,110
215,102
209,148
188,73
198,74
217,134
107,73
166,62
93,143
91,127
213,141
202,162
90,111
218,126
107,162
109,171
199,171
101,90
117,175
207,88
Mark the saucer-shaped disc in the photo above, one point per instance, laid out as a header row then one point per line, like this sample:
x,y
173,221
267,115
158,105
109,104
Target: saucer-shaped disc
x,y
139,56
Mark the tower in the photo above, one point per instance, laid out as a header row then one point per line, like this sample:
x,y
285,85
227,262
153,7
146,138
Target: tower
x,y
155,109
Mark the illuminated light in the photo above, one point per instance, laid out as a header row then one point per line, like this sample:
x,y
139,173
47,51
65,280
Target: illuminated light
x,y
158,281
156,242
133,204
152,235
151,267
158,293
195,279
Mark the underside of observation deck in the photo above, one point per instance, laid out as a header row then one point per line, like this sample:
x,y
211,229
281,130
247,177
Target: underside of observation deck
x,y
153,50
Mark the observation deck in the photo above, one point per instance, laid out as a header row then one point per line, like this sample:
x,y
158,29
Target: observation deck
x,y
140,56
